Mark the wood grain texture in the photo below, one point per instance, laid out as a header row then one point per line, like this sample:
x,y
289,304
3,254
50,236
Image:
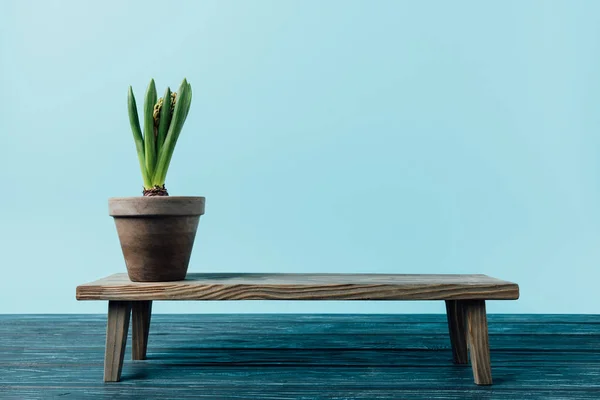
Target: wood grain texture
x,y
141,313
455,314
267,286
293,392
116,339
479,346
300,356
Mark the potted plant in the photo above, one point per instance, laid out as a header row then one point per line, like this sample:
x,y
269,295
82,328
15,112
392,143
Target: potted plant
x,y
157,231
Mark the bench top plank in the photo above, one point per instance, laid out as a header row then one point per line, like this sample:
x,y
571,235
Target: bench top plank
x,y
308,286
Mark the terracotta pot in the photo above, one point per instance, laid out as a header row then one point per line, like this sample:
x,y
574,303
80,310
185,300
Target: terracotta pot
x,y
156,234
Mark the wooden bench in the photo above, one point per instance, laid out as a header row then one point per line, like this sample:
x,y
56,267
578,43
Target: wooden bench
x,y
465,297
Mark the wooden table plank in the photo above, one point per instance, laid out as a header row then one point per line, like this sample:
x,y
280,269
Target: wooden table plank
x,y
271,286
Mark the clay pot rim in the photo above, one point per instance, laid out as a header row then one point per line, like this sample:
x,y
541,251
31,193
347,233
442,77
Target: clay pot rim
x,y
140,206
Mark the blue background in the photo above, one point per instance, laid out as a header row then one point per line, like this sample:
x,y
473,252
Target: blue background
x,y
337,136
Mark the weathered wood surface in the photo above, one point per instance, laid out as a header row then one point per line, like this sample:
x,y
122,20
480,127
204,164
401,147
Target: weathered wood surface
x,y
141,314
116,338
457,325
300,356
266,286
477,335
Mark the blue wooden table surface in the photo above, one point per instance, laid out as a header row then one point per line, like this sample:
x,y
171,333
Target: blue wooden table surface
x,y
274,356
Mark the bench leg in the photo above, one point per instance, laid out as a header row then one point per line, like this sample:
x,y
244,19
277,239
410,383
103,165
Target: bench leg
x,y
141,312
455,313
116,338
479,346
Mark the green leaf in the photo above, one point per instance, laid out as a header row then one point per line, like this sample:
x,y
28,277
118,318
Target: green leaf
x,y
137,136
182,107
165,120
149,139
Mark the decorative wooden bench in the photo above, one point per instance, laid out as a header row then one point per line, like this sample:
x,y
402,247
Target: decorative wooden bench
x,y
465,297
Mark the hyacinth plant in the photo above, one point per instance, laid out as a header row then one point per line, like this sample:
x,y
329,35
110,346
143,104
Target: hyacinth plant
x,y
163,122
